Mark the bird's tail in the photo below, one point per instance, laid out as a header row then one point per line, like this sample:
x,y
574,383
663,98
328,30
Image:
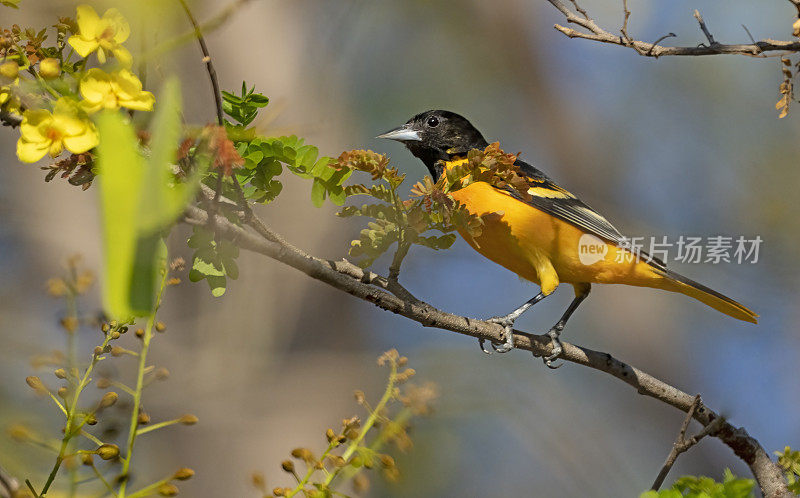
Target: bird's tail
x,y
710,297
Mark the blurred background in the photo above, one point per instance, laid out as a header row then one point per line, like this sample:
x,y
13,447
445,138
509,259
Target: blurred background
x,y
675,146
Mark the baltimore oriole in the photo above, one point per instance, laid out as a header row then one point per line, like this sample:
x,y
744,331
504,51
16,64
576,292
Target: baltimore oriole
x,y
538,236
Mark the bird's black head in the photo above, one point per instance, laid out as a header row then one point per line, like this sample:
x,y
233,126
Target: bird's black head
x,y
434,136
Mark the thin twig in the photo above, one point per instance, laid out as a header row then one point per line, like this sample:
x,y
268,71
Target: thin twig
x,y
673,454
704,28
212,73
598,34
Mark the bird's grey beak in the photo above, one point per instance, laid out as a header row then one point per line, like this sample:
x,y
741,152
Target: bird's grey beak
x,y
404,133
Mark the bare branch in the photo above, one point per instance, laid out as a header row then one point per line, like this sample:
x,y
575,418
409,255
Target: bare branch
x,y
598,34
375,289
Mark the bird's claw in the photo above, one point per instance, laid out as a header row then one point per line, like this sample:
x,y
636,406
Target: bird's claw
x,y
508,334
555,343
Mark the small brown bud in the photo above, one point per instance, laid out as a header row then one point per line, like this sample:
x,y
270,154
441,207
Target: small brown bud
x,y
117,350
108,451
387,461
330,435
113,324
338,461
403,361
98,350
188,419
303,454
87,459
361,483
279,492
183,474
161,374
139,333
258,481
173,281
160,327
56,287
69,323
108,399
115,335
359,395
105,328
287,465
63,392
61,373
143,418
351,434
168,490
103,383
19,432
36,384
91,419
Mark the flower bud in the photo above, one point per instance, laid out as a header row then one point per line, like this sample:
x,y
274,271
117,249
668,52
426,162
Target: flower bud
x,y
287,465
36,384
50,68
183,474
9,70
168,490
160,327
61,373
87,459
63,392
108,399
143,418
108,451
188,419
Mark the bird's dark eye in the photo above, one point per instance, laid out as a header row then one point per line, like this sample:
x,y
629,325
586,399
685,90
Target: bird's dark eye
x,y
432,122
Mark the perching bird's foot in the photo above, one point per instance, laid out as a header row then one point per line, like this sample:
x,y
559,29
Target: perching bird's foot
x,y
555,343
508,333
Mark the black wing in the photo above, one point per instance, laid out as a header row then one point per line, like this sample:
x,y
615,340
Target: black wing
x,y
546,196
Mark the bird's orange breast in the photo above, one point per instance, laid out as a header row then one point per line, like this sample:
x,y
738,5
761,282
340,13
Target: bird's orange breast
x,y
542,248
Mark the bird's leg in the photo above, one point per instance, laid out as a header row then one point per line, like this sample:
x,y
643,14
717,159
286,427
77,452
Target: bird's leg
x,y
508,324
581,292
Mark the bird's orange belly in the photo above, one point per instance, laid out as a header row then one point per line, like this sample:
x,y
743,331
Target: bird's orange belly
x,y
528,242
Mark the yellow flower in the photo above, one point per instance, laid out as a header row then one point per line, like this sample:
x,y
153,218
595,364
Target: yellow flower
x,y
44,132
9,100
121,88
104,34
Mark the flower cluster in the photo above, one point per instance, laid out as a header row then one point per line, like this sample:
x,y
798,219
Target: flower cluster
x,y
55,117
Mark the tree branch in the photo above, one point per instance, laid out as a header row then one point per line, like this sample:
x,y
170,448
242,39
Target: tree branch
x,y
598,34
374,289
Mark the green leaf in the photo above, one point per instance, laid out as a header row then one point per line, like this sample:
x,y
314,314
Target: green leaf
x,y
317,193
139,199
162,200
120,181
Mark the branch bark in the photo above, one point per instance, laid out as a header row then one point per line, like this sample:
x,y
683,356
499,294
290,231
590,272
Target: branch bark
x,y
375,289
598,34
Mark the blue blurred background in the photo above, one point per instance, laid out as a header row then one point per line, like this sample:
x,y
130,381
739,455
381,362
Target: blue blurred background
x,y
674,146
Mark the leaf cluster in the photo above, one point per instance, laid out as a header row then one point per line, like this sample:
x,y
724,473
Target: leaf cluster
x,y
789,461
213,260
706,487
